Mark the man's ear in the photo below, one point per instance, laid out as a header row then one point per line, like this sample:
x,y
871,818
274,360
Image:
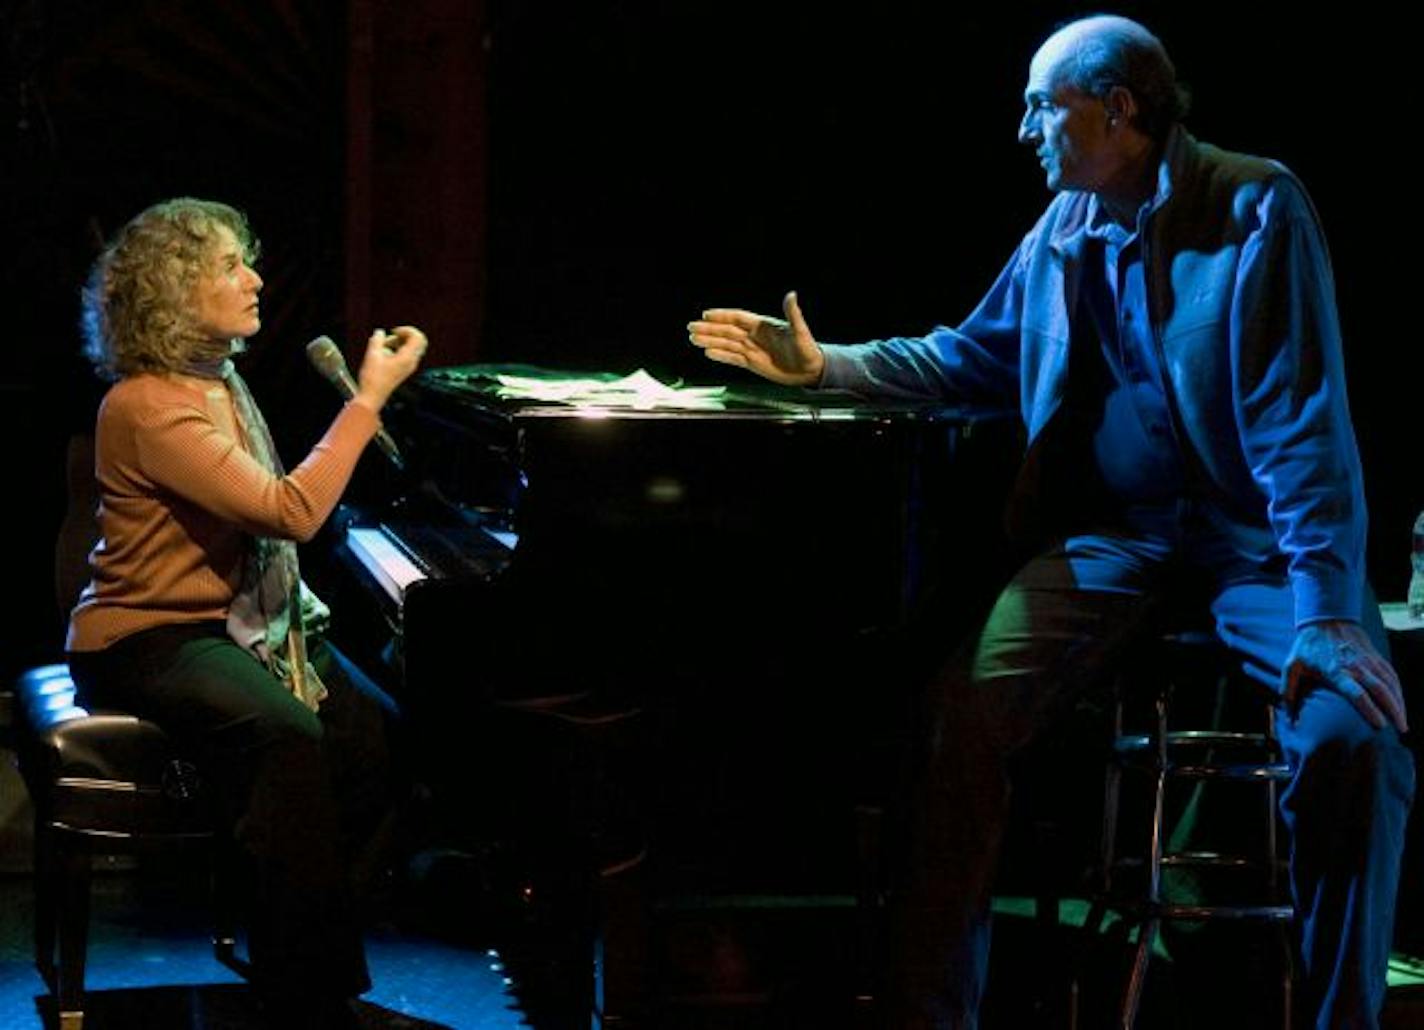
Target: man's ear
x,y
1121,106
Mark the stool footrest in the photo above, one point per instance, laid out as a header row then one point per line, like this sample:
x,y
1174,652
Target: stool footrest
x,y
1200,859
1146,743
1270,913
1278,772
1137,911
1216,860
1217,738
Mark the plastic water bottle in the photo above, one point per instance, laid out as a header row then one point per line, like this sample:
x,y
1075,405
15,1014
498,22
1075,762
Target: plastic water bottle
x,y
1415,600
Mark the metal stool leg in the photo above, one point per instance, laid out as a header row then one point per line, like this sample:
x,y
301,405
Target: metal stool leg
x,y
1107,858
1151,915
1283,936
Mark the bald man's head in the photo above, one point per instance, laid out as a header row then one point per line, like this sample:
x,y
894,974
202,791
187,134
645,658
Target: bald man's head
x,y
1103,51
1100,98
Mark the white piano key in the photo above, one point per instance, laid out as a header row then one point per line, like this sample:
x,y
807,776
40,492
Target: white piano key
x,y
384,560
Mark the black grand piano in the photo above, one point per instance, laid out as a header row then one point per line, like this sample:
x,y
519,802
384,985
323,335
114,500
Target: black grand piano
x,y
763,575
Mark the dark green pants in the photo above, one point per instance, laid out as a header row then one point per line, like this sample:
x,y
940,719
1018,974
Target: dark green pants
x,y
299,790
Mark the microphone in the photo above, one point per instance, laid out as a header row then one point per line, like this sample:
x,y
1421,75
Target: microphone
x,y
326,358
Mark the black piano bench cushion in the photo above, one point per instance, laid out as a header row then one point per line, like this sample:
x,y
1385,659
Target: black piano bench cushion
x,y
102,772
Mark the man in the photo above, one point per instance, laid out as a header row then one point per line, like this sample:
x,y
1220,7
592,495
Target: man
x,y
1168,333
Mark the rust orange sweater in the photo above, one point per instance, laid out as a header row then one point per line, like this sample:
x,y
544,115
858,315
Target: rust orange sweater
x,y
180,495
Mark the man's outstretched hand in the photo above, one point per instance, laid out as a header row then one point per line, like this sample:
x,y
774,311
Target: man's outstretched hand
x,y
782,350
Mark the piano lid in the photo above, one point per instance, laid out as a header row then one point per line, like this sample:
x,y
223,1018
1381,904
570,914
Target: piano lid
x,y
569,459
528,391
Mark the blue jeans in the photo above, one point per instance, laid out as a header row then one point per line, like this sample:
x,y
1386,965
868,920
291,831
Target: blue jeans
x,y
1053,634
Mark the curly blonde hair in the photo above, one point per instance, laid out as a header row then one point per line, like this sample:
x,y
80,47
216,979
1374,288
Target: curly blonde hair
x,y
136,311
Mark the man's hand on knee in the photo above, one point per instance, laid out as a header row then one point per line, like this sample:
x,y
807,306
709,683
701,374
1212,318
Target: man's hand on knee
x,y
1337,654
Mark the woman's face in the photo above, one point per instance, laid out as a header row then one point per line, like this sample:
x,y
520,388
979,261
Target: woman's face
x,y
225,295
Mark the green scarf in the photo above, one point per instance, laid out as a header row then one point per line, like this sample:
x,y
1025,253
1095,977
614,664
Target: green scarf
x,y
273,611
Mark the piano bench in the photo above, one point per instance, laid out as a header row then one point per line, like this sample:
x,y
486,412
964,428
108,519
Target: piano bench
x,y
581,755
578,760
102,783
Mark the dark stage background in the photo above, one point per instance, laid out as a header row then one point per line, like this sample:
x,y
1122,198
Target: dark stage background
x,y
570,183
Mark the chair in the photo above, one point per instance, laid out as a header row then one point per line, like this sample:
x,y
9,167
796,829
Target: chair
x,y
102,783
1131,885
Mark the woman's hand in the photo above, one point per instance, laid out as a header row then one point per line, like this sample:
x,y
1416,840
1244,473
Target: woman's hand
x,y
391,359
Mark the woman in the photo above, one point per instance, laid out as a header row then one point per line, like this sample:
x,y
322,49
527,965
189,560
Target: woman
x,y
195,616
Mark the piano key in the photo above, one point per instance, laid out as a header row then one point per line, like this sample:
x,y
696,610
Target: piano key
x,y
384,559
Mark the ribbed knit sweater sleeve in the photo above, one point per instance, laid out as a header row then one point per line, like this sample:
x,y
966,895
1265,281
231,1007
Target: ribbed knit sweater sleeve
x,y
178,448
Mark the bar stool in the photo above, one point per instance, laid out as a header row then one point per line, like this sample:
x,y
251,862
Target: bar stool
x,y
101,783
1130,884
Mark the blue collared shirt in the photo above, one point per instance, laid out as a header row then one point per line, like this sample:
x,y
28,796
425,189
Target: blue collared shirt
x,y
1133,445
